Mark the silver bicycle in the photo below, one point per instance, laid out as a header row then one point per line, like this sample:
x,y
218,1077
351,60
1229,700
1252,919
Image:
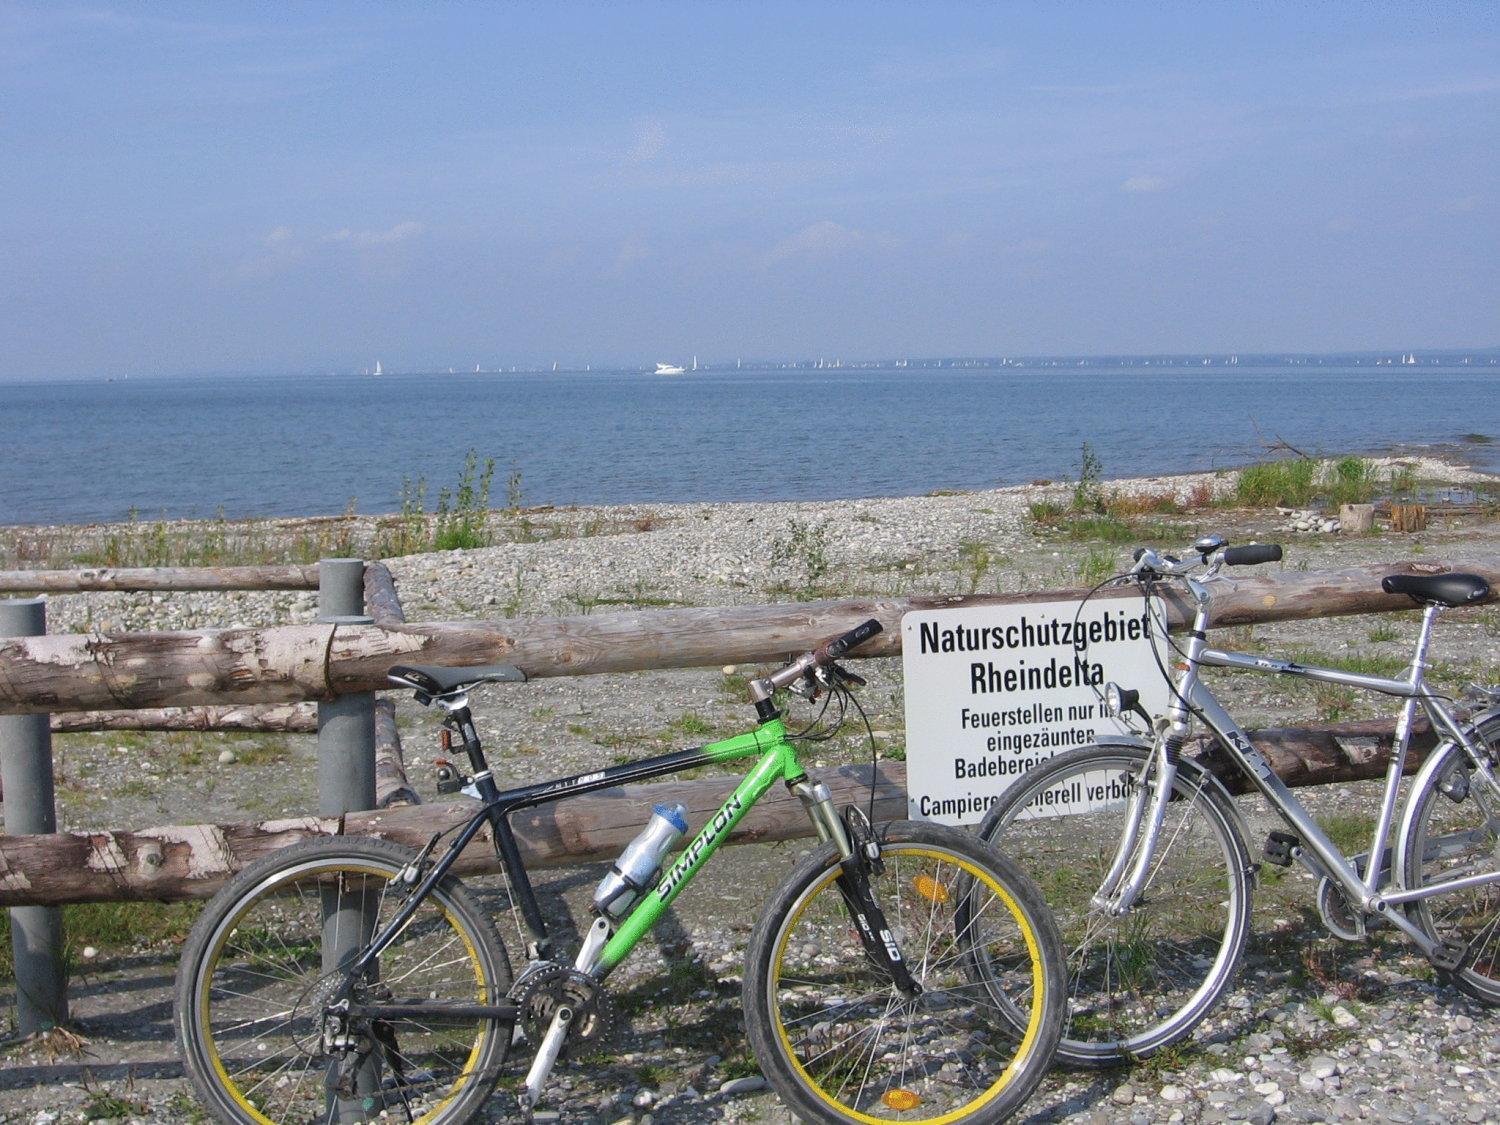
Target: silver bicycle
x,y
1151,887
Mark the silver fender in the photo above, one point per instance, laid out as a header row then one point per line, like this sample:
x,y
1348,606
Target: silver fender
x,y
1196,774
1435,763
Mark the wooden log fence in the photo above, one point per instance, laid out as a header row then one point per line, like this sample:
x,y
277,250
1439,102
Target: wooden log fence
x,y
180,578
230,671
299,662
287,718
193,861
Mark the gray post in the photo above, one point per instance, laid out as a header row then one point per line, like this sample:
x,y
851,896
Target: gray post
x,y
346,783
30,807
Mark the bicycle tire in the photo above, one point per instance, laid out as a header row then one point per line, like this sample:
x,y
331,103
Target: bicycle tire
x,y
1450,813
822,1017
1142,982
255,977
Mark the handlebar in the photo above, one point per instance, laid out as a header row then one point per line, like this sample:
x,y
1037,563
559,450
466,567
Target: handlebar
x,y
1148,563
858,635
1252,554
825,653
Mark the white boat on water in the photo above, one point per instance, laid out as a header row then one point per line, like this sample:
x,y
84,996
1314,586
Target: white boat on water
x,y
377,368
670,369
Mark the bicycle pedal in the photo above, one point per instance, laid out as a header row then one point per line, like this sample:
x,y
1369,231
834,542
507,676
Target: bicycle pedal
x,y
1279,848
1450,956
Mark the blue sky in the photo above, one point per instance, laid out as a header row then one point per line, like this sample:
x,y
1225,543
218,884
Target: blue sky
x,y
307,187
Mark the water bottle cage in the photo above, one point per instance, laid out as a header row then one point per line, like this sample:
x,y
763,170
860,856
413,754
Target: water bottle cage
x,y
449,779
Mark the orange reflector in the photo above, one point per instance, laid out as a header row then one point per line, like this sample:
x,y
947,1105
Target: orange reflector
x,y
929,888
901,1100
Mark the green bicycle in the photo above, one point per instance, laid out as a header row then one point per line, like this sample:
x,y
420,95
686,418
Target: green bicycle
x,y
910,974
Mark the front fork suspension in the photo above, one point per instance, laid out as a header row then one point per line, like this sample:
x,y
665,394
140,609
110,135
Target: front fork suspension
x,y
859,858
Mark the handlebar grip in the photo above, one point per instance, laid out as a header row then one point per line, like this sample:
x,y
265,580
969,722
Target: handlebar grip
x,y
1252,553
855,636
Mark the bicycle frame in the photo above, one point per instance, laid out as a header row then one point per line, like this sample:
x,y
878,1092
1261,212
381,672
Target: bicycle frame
x,y
778,761
1192,697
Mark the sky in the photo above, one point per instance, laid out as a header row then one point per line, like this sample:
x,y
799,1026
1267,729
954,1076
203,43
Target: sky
x,y
312,187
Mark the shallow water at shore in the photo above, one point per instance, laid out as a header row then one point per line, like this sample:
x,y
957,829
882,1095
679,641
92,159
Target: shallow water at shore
x,y
77,452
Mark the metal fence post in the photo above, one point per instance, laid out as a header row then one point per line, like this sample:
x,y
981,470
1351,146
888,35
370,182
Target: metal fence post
x,y
346,783
36,932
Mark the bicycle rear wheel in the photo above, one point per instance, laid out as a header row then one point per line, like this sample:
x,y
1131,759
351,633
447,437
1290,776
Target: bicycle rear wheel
x,y
839,1042
1143,981
1455,831
262,966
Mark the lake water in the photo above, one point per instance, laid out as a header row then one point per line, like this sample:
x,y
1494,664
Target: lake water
x,y
86,451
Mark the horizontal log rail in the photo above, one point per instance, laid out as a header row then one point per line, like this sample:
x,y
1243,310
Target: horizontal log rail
x,y
391,784
300,662
273,718
193,861
289,577
382,601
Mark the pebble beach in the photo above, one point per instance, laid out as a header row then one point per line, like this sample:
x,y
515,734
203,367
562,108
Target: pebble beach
x,y
1315,1030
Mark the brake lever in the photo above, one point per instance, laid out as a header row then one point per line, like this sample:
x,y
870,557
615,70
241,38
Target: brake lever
x,y
806,686
843,674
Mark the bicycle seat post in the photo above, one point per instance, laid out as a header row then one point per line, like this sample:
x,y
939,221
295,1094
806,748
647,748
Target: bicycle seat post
x,y
458,718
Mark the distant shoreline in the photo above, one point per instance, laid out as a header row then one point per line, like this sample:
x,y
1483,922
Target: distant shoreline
x,y
1433,466
1414,358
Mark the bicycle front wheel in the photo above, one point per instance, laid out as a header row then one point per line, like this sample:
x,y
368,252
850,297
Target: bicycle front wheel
x,y
1143,981
839,1042
1455,832
264,965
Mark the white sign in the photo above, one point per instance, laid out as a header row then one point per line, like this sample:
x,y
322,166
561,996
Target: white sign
x,y
992,691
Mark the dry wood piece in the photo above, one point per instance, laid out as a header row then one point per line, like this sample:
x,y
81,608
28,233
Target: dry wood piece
x,y
300,662
1356,517
1408,517
160,578
192,862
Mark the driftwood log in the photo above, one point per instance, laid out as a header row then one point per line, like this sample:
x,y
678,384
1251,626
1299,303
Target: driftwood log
x,y
288,577
391,784
193,861
300,662
382,602
286,718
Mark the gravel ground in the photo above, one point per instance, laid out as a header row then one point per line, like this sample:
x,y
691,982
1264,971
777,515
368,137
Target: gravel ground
x,y
1315,1030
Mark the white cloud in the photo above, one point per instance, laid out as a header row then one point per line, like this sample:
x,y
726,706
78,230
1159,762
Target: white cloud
x,y
282,248
632,251
820,240
650,139
1143,184
1461,206
401,232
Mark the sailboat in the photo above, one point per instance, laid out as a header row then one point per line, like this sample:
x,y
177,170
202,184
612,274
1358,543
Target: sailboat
x,y
377,368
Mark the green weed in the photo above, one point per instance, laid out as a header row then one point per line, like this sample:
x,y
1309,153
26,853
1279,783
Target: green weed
x,y
1088,493
800,556
1351,481
974,563
1285,483
1095,566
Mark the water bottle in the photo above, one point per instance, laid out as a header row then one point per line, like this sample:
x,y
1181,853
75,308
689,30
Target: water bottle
x,y
638,864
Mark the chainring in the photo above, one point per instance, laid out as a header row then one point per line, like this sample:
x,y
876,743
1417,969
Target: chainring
x,y
1343,919
543,989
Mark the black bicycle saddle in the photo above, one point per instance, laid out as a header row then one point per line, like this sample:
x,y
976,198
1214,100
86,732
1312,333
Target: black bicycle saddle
x,y
1440,589
439,679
